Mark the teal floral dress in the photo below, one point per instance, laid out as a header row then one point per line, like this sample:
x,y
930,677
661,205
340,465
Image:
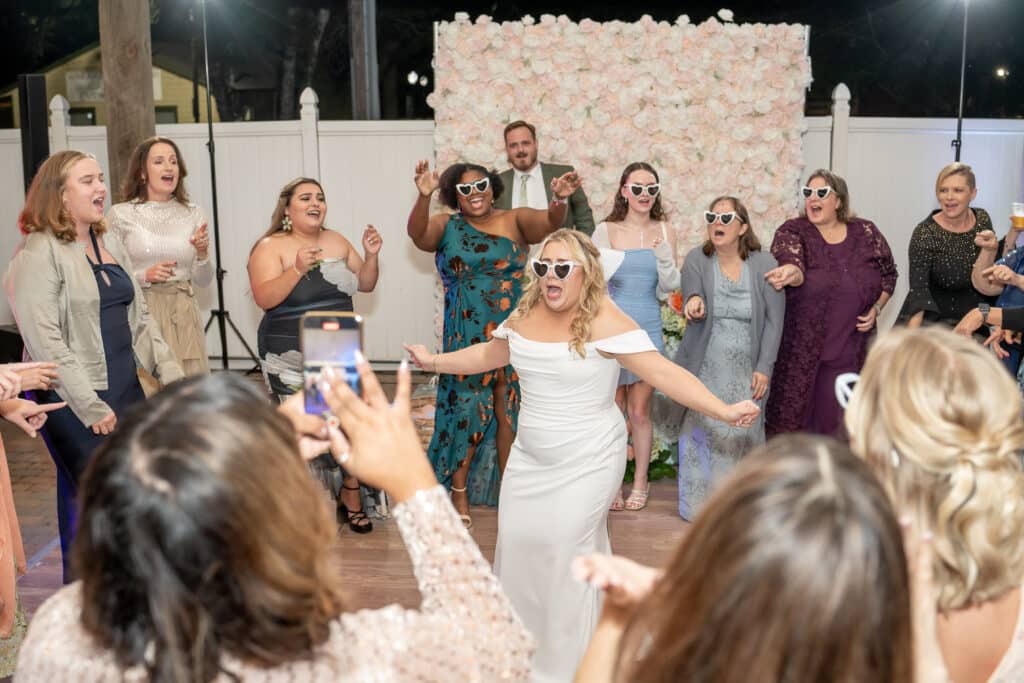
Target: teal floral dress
x,y
482,276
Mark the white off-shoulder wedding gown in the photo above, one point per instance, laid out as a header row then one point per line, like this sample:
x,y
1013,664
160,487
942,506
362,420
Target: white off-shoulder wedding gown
x,y
564,470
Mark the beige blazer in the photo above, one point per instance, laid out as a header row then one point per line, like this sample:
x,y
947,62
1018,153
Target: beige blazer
x,y
53,294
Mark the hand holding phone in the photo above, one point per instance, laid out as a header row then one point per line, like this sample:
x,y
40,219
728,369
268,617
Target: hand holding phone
x,y
329,339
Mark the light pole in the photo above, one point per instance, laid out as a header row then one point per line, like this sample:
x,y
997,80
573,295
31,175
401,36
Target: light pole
x,y
963,69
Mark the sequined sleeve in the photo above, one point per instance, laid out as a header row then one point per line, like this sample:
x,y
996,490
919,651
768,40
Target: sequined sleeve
x,y
919,297
465,628
202,269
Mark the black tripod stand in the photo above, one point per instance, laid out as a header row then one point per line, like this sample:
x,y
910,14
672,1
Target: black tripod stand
x,y
220,314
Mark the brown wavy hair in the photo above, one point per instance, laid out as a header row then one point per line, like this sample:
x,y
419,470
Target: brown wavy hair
x,y
202,534
44,205
134,187
939,419
592,293
748,241
794,570
283,199
844,212
620,206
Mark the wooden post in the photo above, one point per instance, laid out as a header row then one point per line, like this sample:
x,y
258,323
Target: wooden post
x,y
126,48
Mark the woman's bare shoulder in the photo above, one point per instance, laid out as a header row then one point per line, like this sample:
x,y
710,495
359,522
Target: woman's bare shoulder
x,y
271,246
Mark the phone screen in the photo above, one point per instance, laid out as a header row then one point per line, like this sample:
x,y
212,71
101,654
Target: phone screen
x,y
328,340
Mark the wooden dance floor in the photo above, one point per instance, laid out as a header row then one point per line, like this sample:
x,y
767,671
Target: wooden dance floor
x,y
375,566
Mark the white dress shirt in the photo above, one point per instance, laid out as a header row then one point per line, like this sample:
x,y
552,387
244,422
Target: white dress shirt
x,y
536,194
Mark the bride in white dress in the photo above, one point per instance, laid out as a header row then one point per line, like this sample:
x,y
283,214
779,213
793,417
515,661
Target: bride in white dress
x,y
567,340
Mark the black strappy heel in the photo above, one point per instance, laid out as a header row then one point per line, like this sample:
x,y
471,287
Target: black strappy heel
x,y
354,518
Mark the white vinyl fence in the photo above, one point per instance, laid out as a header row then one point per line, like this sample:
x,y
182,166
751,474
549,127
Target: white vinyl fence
x,y
366,168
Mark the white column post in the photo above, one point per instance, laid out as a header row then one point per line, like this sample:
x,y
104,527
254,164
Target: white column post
x,y
839,154
59,122
309,115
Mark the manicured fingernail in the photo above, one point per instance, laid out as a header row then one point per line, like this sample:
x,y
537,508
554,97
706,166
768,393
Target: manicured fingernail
x,y
404,365
906,520
324,386
927,536
333,422
360,358
329,373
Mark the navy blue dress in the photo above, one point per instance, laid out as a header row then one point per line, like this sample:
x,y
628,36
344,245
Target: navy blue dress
x,y
278,335
71,443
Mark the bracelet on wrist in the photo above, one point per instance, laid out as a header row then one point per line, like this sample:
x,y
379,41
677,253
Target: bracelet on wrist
x,y
878,309
435,365
556,200
296,269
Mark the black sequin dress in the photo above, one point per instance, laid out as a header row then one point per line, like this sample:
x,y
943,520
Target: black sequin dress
x,y
940,271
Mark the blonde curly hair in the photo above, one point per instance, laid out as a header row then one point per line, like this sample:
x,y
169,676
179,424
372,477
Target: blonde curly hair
x,y
940,421
592,293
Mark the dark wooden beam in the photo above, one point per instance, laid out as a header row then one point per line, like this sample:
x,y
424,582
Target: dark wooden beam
x,y
127,82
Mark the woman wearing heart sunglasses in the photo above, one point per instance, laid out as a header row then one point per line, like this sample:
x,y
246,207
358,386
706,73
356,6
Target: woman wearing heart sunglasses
x,y
480,252
838,273
567,340
734,325
648,272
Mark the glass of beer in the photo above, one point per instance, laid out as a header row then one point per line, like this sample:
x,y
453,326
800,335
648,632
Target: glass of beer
x,y
1017,215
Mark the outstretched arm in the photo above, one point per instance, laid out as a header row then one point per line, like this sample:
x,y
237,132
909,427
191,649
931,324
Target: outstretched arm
x,y
471,360
986,239
682,387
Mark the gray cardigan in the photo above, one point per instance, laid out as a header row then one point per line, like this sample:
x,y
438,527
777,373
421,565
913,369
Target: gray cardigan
x,y
769,309
56,303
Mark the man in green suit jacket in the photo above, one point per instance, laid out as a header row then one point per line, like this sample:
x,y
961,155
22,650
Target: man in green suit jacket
x,y
528,183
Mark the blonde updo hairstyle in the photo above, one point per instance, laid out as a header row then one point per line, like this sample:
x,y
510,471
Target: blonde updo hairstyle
x,y
940,421
593,291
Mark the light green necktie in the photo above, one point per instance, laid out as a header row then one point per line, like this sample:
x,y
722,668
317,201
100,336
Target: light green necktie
x,y
522,190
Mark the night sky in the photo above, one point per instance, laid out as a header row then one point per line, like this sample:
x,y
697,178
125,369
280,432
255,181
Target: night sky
x,y
899,57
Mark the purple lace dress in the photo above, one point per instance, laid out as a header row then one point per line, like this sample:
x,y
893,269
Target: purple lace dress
x,y
820,338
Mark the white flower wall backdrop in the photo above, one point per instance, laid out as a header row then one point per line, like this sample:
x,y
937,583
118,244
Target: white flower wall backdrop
x,y
716,108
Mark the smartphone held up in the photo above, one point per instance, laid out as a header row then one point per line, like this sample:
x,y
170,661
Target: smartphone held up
x,y
329,339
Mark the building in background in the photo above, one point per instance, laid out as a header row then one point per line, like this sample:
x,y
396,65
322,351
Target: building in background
x,y
79,78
